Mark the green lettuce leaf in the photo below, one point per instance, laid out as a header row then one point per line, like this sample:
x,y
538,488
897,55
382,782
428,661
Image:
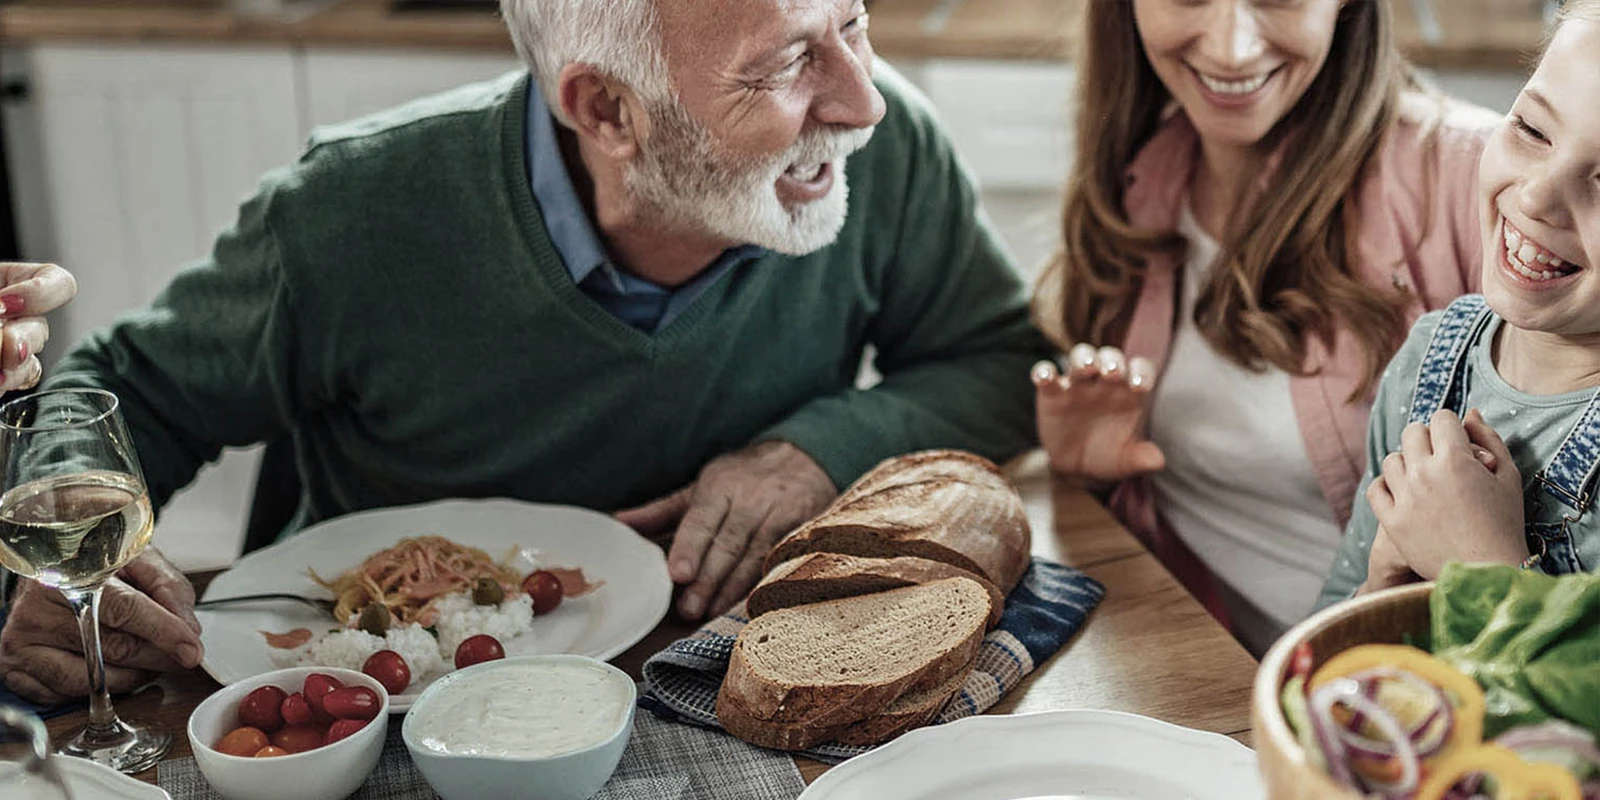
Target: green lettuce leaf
x,y
1531,640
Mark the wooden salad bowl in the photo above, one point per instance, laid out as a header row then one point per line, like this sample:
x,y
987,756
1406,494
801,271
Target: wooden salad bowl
x,y
1384,617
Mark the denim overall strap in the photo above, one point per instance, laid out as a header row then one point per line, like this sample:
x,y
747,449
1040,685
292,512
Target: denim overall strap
x,y
1570,475
1441,380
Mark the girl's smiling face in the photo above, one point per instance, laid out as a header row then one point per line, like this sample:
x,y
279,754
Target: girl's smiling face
x,y
1539,189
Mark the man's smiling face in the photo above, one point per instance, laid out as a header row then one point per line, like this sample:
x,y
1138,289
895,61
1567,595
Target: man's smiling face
x,y
772,95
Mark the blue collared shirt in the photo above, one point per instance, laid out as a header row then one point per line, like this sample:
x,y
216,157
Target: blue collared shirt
x,y
643,304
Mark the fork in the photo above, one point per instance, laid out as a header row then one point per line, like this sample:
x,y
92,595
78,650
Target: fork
x,y
324,606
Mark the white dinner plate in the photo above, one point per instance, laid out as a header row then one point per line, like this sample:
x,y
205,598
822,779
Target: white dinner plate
x,y
86,779
602,624
1061,755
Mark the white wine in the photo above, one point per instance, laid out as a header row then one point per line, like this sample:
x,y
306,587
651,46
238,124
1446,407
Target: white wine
x,y
73,531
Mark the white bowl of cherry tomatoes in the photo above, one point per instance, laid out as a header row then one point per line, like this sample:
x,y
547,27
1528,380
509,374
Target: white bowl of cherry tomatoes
x,y
307,733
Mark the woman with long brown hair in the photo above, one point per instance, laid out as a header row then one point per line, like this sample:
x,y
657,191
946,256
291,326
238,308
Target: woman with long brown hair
x,y
1263,199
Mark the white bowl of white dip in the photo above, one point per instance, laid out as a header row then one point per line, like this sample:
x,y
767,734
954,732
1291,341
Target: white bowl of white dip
x,y
539,727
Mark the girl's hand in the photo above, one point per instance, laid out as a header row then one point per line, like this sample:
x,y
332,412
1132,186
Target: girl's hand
x,y
1442,500
1091,420
1386,567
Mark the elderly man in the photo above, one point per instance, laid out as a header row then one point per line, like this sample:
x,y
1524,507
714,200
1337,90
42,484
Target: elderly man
x,y
637,279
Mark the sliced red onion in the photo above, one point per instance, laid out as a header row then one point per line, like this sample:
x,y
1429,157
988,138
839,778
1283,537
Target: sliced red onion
x,y
1554,733
1349,692
1319,709
1426,737
1369,687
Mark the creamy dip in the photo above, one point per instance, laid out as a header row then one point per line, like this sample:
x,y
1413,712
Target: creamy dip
x,y
525,711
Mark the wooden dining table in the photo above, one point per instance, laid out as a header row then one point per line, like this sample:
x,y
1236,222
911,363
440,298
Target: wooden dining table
x,y
1149,648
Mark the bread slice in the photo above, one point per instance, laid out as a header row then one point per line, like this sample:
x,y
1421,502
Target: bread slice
x,y
941,505
800,676
816,577
908,711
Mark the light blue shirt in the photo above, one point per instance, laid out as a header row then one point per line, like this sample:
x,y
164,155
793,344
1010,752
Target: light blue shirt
x,y
643,304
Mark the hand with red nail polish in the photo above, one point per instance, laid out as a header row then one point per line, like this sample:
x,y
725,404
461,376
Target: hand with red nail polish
x,y
27,293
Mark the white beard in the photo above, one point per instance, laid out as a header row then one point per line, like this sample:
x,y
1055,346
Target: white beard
x,y
680,174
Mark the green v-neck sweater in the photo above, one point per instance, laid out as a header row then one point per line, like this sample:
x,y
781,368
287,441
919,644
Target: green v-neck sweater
x,y
393,302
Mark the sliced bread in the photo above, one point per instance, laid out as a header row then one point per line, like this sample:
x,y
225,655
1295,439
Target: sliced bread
x,y
908,711
799,676
816,577
941,505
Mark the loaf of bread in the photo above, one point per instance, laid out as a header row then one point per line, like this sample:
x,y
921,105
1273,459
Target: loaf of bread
x,y
908,711
942,505
804,675
815,577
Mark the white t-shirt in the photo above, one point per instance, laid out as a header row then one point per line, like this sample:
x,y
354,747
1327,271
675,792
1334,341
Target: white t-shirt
x,y
1238,488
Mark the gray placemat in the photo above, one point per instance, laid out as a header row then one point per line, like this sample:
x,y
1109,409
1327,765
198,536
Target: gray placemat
x,y
664,761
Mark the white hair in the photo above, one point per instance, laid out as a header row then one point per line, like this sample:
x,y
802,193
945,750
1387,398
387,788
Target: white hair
x,y
621,38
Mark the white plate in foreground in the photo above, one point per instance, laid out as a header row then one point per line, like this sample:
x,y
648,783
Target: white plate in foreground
x,y
86,779
1062,755
602,625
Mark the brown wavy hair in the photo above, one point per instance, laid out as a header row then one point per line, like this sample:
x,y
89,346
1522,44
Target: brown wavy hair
x,y
1282,275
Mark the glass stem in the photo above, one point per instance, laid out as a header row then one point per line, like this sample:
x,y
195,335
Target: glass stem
x,y
85,605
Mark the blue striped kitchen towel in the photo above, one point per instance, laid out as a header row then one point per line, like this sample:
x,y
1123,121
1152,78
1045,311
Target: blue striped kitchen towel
x,y
1048,606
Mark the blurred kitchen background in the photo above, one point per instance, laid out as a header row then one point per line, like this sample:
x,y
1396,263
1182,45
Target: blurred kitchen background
x,y
132,128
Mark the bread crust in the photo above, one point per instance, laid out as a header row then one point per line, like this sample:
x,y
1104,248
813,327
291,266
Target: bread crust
x,y
820,576
904,714
943,505
770,711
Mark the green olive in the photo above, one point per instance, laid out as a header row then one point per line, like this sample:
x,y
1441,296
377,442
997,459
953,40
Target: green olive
x,y
487,592
374,619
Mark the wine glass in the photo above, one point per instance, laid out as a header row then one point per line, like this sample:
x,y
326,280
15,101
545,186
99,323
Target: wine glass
x,y
74,511
27,772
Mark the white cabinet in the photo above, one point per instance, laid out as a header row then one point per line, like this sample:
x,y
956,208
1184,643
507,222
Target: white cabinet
x,y
1012,123
130,159
342,85
146,155
142,155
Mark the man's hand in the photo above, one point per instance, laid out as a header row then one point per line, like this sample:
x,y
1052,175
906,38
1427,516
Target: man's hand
x,y
147,624
27,291
728,520
1451,493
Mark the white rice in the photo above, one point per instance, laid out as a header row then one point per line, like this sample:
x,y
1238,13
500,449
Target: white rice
x,y
459,619
418,648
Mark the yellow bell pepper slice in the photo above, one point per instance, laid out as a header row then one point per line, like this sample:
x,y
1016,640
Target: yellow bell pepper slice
x,y
1464,692
1514,778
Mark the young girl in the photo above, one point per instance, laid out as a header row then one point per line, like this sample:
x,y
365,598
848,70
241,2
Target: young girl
x,y
1524,357
1261,205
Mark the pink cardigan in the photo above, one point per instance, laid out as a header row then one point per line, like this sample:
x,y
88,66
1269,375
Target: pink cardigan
x,y
1407,236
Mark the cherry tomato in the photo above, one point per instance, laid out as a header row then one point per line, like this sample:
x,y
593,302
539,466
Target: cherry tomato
x,y
298,738
388,668
545,589
262,708
243,742
271,750
344,727
295,710
317,685
1300,663
352,702
477,649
